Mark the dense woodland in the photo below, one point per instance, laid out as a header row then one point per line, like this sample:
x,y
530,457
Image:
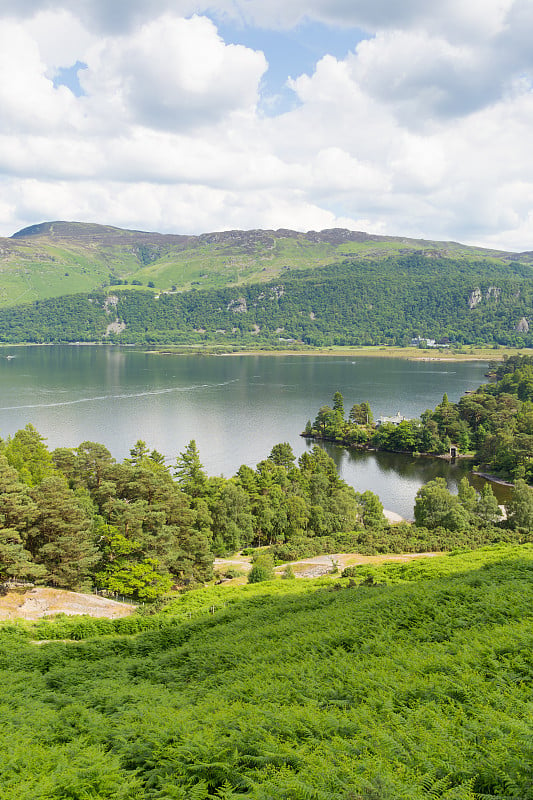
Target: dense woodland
x,y
356,302
407,681
494,424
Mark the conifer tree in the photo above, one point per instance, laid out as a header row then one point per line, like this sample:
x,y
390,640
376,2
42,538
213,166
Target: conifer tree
x,y
338,403
189,471
28,453
61,536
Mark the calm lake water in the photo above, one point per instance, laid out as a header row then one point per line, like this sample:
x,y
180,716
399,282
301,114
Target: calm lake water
x,y
235,407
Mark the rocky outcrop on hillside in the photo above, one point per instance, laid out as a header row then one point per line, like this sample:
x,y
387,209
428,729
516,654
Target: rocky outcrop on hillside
x,y
476,296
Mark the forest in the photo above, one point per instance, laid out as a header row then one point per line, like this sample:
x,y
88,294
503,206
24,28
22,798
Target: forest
x,y
355,302
494,424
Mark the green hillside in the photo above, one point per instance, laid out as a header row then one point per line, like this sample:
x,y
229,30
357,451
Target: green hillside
x,y
412,681
59,258
359,301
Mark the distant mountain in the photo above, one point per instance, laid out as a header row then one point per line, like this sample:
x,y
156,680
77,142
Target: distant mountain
x,y
53,259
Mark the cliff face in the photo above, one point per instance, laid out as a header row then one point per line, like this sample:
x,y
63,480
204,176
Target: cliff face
x,y
475,298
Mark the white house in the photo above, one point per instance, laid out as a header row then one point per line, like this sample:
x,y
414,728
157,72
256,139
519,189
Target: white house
x,y
392,420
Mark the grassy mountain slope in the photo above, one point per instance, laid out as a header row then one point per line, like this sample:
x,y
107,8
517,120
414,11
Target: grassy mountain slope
x,y
58,258
413,687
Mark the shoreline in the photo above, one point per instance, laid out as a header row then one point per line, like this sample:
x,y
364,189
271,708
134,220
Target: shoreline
x,y
377,351
406,353
393,518
493,478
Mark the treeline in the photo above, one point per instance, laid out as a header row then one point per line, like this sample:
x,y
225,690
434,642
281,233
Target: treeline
x,y
362,302
76,517
494,424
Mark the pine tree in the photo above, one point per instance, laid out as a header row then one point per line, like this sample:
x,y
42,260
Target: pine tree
x,y
338,403
28,453
61,537
282,455
189,471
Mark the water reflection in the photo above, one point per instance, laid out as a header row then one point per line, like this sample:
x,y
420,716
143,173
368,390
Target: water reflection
x,y
396,477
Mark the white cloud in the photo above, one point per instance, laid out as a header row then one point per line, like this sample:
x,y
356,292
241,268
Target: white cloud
x,y
426,77
61,38
174,73
28,99
422,130
475,18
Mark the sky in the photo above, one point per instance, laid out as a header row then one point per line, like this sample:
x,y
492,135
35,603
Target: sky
x,y
405,118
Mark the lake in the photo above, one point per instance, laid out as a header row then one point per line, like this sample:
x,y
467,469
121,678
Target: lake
x,y
235,407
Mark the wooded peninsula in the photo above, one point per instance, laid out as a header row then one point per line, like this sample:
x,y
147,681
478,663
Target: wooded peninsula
x,y
493,425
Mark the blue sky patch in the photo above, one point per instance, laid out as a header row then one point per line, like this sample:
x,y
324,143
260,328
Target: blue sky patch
x,y
291,53
68,76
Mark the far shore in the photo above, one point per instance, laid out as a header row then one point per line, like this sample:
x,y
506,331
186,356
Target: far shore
x,y
407,353
377,351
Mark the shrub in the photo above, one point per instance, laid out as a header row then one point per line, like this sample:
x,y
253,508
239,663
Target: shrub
x,y
262,569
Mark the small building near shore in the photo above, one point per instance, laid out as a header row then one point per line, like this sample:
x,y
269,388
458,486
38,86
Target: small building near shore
x,y
391,420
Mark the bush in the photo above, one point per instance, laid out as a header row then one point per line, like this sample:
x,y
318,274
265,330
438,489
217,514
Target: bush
x,y
262,569
233,572
288,573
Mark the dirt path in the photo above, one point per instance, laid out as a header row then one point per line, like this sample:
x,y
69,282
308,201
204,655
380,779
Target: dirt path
x,y
318,565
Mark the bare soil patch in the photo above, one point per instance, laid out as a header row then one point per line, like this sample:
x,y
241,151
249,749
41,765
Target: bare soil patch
x,y
316,566
323,565
44,602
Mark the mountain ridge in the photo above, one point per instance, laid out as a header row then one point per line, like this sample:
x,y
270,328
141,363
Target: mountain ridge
x,y
66,229
58,258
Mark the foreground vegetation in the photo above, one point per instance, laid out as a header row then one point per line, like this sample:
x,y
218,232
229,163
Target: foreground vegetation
x,y
413,681
494,424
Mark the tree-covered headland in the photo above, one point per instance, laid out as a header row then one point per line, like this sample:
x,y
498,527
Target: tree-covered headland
x,y
494,424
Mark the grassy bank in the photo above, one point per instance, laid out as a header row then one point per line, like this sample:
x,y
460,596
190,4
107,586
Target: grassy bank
x,y
408,353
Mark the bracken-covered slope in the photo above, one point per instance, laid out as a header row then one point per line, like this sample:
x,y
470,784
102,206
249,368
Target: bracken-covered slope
x,y
412,684
59,258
